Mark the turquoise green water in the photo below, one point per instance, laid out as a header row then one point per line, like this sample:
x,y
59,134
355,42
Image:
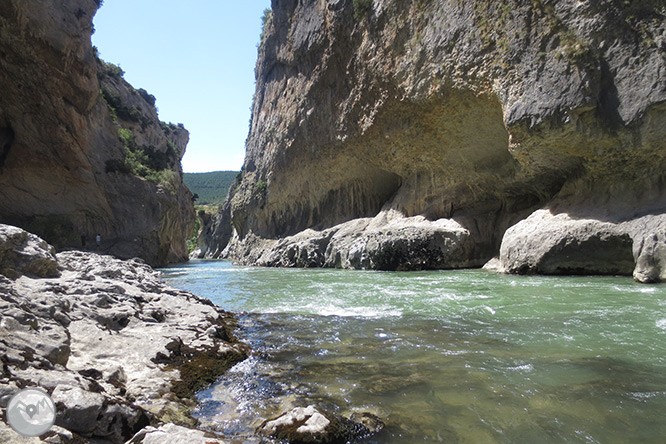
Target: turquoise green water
x,y
448,356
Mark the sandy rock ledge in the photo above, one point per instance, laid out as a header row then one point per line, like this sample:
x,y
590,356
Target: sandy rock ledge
x,y
120,352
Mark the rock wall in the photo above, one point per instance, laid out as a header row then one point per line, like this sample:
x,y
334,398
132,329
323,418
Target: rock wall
x,y
468,114
82,151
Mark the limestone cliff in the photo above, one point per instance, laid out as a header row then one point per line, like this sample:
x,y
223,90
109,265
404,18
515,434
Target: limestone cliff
x,y
82,151
414,134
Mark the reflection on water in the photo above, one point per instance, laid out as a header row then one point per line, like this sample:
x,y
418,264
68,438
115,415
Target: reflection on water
x,y
455,356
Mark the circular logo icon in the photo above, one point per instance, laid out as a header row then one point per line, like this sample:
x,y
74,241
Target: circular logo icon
x,y
31,412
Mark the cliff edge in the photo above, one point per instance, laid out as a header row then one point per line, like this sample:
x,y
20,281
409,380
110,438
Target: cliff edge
x,y
441,134
82,151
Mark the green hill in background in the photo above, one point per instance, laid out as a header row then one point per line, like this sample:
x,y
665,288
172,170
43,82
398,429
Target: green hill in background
x,y
212,187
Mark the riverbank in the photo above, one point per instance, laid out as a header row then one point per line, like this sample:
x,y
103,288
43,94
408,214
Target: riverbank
x,y
120,352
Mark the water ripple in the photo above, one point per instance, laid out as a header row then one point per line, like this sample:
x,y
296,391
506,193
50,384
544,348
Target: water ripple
x,y
453,356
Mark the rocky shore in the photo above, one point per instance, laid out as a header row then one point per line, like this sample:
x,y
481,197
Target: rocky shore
x,y
563,239
119,351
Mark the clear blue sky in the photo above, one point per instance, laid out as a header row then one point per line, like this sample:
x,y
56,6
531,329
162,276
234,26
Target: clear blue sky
x,y
198,59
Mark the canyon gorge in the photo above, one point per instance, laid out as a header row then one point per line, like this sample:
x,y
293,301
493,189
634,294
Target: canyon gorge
x,y
524,135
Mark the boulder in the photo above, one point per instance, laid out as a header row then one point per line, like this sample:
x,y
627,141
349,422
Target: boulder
x,y
78,409
313,425
565,241
24,253
88,413
650,248
547,243
388,241
173,434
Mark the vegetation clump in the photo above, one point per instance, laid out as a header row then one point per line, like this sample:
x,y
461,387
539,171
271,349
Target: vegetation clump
x,y
266,20
362,8
260,188
145,95
112,70
201,367
118,110
144,161
194,237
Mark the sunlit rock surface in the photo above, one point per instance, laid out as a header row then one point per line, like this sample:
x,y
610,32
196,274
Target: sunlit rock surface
x,y
478,112
115,347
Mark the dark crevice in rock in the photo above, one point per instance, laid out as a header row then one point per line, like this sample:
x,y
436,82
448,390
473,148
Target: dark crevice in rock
x,y
7,137
609,103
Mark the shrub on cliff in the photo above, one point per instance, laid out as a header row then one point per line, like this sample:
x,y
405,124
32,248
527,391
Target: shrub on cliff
x,y
265,21
144,161
194,236
113,70
361,8
145,95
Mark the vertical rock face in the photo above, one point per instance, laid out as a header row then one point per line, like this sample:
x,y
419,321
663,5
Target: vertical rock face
x,y
81,151
477,111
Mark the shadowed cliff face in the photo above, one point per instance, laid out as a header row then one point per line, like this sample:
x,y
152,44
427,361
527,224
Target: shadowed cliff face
x,y
63,155
480,112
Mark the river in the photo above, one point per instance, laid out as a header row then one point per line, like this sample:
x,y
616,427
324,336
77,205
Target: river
x,y
442,356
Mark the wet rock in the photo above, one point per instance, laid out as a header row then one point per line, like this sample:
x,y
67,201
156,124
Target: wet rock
x,y
313,425
368,420
377,384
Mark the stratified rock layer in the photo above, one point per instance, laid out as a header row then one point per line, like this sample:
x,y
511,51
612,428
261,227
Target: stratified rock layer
x,y
114,346
475,112
61,153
